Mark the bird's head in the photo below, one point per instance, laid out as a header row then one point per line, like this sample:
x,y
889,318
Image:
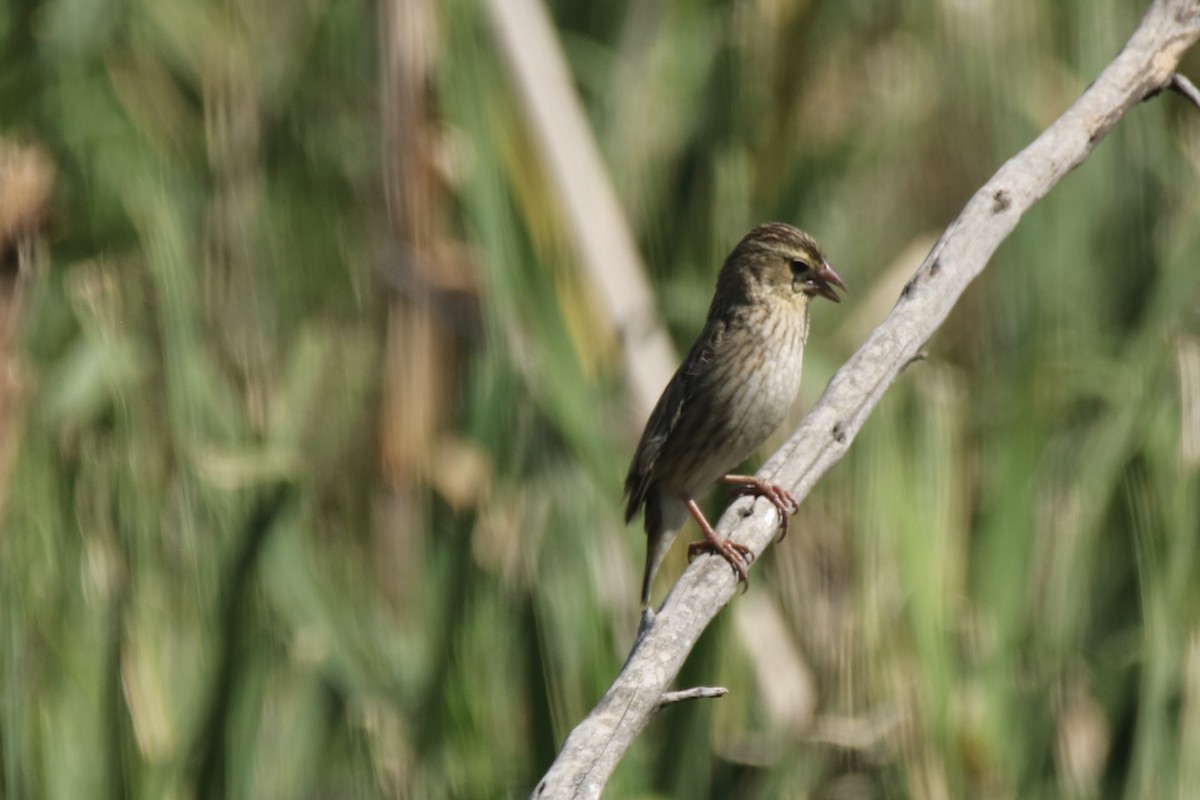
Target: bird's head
x,y
778,260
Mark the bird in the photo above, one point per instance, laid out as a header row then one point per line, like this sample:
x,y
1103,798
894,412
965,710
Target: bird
x,y
732,391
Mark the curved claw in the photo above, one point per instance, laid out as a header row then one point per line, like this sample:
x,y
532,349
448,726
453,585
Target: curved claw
x,y
737,555
778,496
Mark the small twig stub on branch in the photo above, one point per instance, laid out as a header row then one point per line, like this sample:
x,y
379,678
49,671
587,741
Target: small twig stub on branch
x,y
1183,86
695,693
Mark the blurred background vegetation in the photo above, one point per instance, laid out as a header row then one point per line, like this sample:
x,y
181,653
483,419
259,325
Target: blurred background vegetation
x,y
313,432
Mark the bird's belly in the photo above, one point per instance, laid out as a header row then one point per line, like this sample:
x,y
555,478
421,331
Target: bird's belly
x,y
753,402
759,404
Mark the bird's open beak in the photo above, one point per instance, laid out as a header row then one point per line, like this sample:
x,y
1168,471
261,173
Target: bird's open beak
x,y
826,276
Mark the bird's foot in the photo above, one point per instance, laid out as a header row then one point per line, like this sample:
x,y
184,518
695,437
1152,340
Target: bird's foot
x,y
737,555
779,497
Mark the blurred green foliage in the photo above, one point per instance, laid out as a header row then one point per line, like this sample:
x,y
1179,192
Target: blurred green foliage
x,y
213,585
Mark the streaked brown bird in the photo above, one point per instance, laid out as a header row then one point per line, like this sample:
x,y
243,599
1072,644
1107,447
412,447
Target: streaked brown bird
x,y
733,389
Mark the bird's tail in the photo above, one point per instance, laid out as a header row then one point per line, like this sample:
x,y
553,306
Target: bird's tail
x,y
664,518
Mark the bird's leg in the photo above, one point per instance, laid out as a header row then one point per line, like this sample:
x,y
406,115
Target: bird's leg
x,y
780,497
738,555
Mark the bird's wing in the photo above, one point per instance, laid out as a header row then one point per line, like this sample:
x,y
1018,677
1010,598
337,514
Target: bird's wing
x,y
664,419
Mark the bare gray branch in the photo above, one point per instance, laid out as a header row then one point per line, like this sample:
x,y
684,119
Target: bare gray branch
x,y
1146,65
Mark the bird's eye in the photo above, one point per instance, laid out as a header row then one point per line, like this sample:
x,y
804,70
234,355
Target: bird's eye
x,y
799,267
